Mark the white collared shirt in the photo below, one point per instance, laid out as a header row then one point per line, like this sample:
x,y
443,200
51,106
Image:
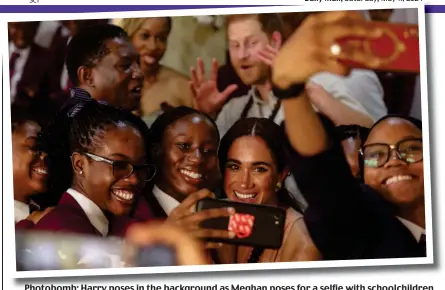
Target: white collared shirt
x,y
95,215
21,211
64,76
333,84
416,230
167,202
18,67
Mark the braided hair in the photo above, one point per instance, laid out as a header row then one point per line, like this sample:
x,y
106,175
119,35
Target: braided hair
x,y
160,125
78,127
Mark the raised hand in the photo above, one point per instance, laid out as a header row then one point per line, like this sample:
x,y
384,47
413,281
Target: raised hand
x,y
207,97
267,55
312,47
36,216
188,250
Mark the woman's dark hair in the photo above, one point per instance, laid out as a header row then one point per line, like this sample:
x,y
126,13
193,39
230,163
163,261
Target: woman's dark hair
x,y
21,114
161,123
76,128
416,122
352,131
274,137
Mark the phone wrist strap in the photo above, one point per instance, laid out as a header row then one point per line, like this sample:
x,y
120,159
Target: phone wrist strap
x,y
291,92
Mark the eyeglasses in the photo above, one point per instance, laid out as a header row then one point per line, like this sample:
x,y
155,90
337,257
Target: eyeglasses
x,y
408,150
123,169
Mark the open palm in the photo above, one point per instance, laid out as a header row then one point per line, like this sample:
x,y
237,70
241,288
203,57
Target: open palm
x,y
207,97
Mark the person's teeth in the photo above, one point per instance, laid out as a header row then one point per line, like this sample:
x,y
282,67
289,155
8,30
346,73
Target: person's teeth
x,y
40,170
123,194
397,178
244,196
191,174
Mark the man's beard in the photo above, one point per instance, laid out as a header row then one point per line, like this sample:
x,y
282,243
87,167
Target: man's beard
x,y
259,76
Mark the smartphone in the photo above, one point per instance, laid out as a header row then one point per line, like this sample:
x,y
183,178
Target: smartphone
x,y
397,48
254,225
37,251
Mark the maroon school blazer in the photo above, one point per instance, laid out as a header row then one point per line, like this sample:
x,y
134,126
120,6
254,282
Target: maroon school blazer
x,y
67,217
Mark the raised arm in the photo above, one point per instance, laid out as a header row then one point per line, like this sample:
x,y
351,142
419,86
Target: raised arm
x,y
310,50
337,212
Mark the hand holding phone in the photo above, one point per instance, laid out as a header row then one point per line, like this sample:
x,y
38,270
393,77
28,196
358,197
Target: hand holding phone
x,y
184,217
254,225
309,50
167,239
397,48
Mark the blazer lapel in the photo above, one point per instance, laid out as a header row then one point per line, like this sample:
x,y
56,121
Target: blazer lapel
x,y
68,201
158,211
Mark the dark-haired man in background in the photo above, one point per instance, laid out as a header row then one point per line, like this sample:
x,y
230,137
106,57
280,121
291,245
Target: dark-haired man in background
x,y
104,65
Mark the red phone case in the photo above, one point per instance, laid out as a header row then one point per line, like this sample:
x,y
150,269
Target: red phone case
x,y
254,225
397,48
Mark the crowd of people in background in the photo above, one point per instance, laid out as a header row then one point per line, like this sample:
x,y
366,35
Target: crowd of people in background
x,y
105,137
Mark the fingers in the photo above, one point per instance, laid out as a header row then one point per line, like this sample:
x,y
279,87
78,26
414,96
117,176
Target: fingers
x,y
265,57
272,50
206,214
350,29
188,250
350,52
193,89
194,78
213,234
226,93
201,71
190,201
334,16
214,72
213,245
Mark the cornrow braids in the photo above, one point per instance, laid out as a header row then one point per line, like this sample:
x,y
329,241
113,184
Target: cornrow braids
x,y
160,125
79,127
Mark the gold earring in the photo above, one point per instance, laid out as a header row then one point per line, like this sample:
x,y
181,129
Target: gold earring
x,y
279,185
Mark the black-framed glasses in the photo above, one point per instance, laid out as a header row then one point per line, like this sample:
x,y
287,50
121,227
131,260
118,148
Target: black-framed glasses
x,y
123,169
378,154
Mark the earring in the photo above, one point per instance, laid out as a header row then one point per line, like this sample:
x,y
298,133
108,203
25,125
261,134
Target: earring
x,y
81,172
279,185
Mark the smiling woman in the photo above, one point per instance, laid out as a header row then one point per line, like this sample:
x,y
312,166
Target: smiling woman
x,y
97,167
253,159
184,143
184,148
161,84
29,166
